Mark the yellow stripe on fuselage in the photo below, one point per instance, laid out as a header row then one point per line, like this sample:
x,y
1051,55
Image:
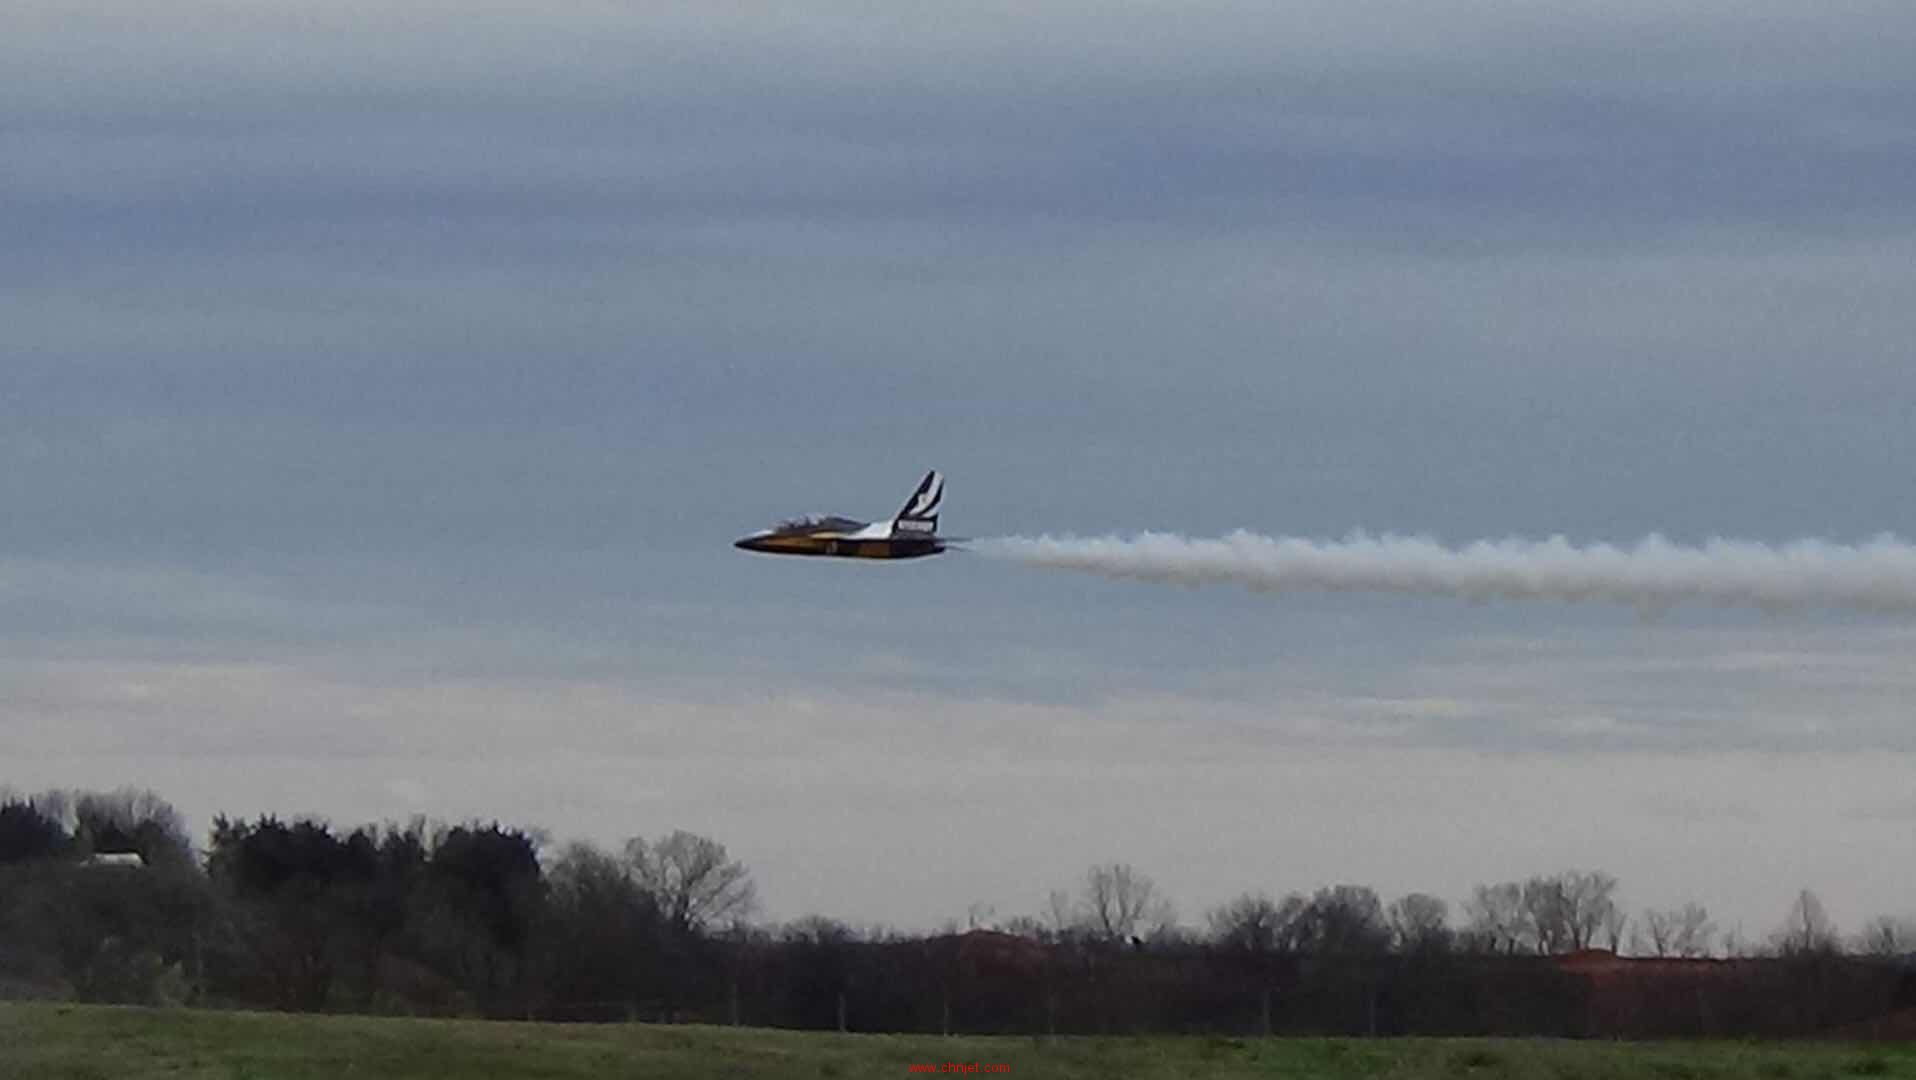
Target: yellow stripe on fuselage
x,y
843,547
829,545
798,545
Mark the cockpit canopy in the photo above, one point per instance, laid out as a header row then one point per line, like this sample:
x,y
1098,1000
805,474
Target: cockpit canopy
x,y
820,523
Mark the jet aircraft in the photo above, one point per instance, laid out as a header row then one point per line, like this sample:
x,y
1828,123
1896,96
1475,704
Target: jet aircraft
x,y
913,534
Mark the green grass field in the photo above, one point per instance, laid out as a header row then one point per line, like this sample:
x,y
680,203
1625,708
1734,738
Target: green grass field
x,y
110,1043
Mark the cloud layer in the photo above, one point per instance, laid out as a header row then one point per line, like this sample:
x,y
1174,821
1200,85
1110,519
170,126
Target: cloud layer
x,y
383,386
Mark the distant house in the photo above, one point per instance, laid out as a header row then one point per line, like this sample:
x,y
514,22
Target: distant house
x,y
114,858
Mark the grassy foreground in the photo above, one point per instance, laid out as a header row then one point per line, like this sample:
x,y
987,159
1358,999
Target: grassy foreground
x,y
50,1040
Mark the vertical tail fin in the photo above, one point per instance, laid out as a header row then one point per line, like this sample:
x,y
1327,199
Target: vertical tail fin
x,y
920,515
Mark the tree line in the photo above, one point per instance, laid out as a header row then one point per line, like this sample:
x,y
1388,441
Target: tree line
x,y
104,897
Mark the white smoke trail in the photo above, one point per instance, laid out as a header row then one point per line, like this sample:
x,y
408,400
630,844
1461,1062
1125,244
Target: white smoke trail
x,y
1652,575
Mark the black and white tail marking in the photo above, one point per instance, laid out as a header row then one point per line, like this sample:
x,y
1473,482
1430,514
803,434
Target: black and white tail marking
x,y
920,514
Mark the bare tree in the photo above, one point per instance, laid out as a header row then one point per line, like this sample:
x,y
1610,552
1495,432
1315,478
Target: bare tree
x,y
1027,926
1686,931
1061,916
1589,906
690,878
1807,929
55,803
817,930
1120,902
599,928
1345,919
1253,923
1546,915
1887,937
1419,923
1495,917
1567,911
1655,933
1695,933
1735,944
1613,927
130,819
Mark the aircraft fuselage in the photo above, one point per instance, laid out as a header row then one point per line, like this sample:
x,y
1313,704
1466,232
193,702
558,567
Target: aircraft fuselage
x,y
843,547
